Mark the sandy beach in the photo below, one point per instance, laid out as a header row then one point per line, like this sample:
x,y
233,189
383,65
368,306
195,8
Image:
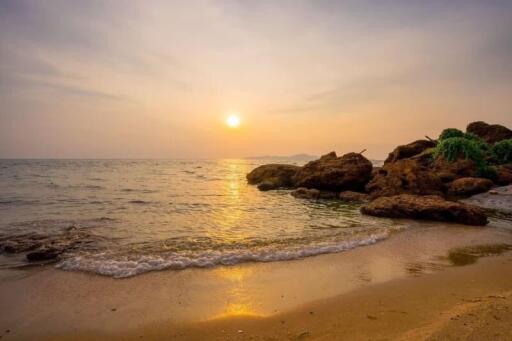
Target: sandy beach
x,y
406,287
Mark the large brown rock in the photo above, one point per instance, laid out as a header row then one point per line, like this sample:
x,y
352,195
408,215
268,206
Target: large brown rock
x,y
504,175
412,176
469,186
272,176
448,171
348,172
490,133
409,150
425,207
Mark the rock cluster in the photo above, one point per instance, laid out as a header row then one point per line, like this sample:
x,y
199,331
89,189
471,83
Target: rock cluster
x,y
413,182
39,248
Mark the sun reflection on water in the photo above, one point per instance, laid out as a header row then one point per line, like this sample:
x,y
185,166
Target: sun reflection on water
x,y
239,301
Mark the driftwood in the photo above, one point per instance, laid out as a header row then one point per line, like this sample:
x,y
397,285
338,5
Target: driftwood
x,y
430,139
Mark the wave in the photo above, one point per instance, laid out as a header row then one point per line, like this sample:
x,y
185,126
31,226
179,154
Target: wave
x,y
104,264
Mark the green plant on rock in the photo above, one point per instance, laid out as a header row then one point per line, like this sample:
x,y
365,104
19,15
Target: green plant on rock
x,y
454,148
449,133
502,151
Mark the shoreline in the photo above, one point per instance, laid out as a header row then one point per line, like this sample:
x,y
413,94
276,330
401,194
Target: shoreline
x,y
252,296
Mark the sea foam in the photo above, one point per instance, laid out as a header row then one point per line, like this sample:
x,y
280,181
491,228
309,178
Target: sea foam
x,y
121,267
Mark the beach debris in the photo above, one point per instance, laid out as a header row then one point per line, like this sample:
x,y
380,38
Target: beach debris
x,y
425,207
240,331
371,317
303,335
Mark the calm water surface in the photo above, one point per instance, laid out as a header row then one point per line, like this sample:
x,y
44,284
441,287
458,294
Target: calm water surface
x,y
156,214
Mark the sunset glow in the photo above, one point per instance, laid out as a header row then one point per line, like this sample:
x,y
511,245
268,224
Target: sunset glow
x,y
233,121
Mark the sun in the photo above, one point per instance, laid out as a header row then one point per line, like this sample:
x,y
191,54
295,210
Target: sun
x,y
233,121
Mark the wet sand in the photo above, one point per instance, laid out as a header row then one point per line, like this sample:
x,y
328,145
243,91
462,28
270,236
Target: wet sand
x,y
410,286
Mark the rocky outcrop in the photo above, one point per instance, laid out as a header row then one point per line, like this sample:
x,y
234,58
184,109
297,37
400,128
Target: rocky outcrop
x,y
425,207
313,193
272,176
412,176
490,133
409,150
469,186
448,171
504,175
348,172
351,196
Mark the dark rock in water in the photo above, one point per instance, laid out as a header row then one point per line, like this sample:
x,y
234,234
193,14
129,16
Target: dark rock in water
x,y
267,185
312,193
272,176
348,172
504,175
469,186
412,176
44,254
18,246
490,133
409,150
425,207
306,193
351,196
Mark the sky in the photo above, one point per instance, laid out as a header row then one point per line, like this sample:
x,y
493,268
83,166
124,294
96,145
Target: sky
x,y
157,79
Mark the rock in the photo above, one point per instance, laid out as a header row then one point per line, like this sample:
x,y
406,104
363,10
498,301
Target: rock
x,y
351,196
498,199
411,176
504,175
348,172
43,254
306,193
272,176
18,246
490,133
448,171
312,193
425,207
269,184
409,150
469,186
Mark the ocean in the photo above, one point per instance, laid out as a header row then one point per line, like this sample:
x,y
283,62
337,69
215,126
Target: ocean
x,y
123,218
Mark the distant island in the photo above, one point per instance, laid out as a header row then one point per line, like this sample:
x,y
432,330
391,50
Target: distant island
x,y
296,157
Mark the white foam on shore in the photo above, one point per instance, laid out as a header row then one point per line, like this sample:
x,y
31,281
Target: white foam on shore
x,y
104,264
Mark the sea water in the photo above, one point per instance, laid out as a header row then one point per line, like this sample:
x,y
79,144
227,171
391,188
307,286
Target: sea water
x,y
143,215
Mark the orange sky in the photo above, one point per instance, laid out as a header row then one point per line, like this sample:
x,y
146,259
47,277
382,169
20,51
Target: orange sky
x,y
156,79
